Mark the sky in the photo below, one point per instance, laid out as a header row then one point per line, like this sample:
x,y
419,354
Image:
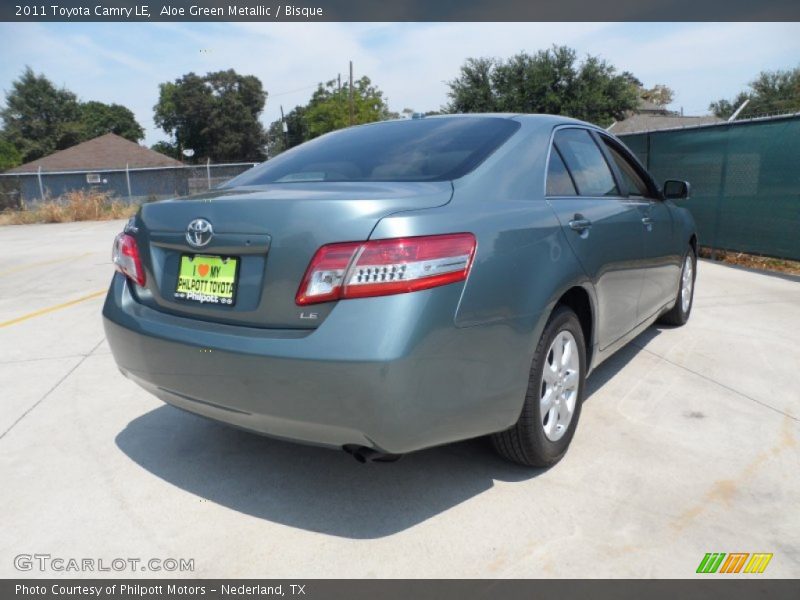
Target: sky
x,y
123,63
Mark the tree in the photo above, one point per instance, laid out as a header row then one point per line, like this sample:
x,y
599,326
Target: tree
x,y
168,149
770,92
473,90
328,110
10,157
550,81
98,119
215,115
296,131
39,118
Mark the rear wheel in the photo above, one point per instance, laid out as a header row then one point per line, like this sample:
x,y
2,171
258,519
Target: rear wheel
x,y
679,313
552,406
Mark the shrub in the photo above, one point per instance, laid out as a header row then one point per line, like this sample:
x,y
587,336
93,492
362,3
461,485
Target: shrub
x,y
78,205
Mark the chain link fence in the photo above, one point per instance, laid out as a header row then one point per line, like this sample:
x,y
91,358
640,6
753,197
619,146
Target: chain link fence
x,y
745,178
135,185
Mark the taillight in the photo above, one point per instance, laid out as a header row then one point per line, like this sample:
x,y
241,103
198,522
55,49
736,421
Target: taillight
x,y
125,256
382,267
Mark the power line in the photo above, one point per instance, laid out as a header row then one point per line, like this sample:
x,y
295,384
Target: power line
x,y
308,87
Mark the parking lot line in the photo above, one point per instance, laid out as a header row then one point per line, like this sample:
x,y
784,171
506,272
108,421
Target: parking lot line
x,y
44,263
49,309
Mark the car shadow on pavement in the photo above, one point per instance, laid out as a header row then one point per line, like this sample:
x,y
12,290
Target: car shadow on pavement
x,y
617,361
318,489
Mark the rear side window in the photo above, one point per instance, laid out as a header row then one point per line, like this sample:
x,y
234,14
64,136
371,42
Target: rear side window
x,y
559,182
586,163
630,176
412,150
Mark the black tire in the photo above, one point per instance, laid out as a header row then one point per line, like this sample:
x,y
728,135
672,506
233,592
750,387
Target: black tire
x,y
677,316
526,443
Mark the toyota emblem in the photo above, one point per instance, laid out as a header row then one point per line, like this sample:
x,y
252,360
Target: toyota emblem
x,y
199,233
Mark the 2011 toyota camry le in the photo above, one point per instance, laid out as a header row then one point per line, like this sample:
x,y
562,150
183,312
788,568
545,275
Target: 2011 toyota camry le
x,y
404,284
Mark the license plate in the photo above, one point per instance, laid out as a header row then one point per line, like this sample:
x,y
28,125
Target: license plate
x,y
207,279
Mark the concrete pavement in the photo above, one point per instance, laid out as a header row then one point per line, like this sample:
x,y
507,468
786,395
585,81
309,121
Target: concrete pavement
x,y
688,443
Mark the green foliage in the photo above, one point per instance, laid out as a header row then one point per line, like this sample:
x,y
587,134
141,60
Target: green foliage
x,y
9,155
474,90
40,118
772,92
167,148
296,131
215,115
550,81
98,119
329,110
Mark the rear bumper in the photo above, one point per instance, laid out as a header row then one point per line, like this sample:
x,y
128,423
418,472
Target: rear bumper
x,y
390,373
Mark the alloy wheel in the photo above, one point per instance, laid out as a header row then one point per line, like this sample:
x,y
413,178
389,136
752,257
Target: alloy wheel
x,y
687,283
559,386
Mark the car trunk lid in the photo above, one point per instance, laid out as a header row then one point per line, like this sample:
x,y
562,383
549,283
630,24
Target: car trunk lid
x,y
272,231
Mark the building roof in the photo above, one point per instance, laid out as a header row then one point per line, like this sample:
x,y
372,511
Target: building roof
x,y
651,122
108,151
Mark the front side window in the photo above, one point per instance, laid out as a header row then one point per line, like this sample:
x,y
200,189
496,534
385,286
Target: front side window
x,y
586,164
631,179
437,149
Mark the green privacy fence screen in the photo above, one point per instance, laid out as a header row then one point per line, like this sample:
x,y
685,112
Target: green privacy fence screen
x,y
745,180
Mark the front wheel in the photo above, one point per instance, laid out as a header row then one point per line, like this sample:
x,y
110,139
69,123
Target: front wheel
x,y
553,400
679,313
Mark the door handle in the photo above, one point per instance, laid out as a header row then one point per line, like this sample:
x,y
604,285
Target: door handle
x,y
648,223
580,224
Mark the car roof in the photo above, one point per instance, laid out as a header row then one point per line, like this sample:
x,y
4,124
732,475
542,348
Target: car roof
x,y
537,119
529,121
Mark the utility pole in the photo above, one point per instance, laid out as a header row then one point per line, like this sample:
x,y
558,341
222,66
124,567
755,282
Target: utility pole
x,y
339,78
351,92
285,128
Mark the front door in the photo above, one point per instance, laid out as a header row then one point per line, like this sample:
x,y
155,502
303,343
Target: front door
x,y
662,266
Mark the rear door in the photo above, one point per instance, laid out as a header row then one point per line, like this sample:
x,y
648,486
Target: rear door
x,y
662,263
601,225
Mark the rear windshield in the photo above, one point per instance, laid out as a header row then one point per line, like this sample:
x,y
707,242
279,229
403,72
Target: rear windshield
x,y
411,150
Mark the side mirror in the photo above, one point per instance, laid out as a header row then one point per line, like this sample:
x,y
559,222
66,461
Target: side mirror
x,y
676,190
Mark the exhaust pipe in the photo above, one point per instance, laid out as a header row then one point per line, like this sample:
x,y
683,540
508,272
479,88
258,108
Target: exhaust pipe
x,y
364,455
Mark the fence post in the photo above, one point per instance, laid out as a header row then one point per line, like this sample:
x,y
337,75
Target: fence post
x,y
208,171
128,179
41,187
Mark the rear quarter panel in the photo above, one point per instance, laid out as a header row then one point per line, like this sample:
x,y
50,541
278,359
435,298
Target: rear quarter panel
x,y
522,264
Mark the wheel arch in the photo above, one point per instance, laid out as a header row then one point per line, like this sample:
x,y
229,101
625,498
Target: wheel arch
x,y
579,300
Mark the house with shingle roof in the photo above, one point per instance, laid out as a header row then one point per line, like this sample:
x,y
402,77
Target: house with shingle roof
x,y
108,163
106,152
649,116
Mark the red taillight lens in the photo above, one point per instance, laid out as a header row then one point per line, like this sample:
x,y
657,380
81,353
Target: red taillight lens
x,y
125,256
325,274
382,267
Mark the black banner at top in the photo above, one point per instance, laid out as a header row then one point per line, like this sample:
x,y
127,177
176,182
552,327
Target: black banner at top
x,y
399,10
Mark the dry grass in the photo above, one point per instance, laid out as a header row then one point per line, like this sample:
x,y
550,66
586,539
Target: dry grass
x,y
753,261
79,205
